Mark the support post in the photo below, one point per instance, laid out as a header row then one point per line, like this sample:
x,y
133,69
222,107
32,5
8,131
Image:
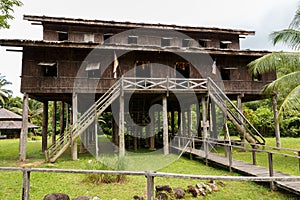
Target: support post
x,y
165,127
54,122
190,122
276,123
240,107
24,130
152,132
96,138
204,126
271,170
230,158
121,127
62,123
45,126
214,120
150,187
253,156
75,115
299,159
25,185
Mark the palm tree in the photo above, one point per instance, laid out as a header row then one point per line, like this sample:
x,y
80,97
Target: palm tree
x,y
4,93
287,67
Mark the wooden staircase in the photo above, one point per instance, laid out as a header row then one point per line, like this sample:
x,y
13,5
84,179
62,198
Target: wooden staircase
x,y
234,115
83,122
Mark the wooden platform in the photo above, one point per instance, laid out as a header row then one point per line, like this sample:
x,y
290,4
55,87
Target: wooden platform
x,y
245,168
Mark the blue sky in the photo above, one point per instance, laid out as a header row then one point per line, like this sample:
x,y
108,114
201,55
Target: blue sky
x,y
262,16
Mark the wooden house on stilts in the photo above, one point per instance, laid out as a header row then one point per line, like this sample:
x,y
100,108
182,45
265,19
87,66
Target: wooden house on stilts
x,y
158,82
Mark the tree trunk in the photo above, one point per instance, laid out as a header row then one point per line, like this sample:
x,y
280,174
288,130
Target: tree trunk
x,y
276,124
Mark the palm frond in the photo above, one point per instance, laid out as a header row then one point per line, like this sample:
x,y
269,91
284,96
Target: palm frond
x,y
289,37
276,61
283,84
291,101
295,24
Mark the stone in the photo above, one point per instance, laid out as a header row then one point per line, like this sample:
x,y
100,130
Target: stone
x,y
56,196
162,196
179,193
192,190
166,188
136,197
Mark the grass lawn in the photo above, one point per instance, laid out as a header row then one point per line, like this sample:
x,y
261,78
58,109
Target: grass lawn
x,y
74,184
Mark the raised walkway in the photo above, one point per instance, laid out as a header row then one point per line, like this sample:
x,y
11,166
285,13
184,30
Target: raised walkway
x,y
244,168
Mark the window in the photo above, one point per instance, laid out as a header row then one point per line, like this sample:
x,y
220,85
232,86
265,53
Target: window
x,y
49,68
106,37
225,44
182,69
186,42
93,70
62,36
225,74
89,37
142,69
202,43
132,39
165,42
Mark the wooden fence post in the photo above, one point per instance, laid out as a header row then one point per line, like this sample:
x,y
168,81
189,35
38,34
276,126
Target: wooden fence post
x,y
253,156
150,187
299,159
25,185
230,158
271,170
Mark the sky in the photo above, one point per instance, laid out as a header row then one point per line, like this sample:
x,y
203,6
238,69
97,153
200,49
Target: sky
x,y
261,16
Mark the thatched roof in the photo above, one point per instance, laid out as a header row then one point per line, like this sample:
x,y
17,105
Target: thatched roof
x,y
11,120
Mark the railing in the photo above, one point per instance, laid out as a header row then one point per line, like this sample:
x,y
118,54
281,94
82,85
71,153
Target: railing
x,y
212,142
233,112
82,123
163,84
149,177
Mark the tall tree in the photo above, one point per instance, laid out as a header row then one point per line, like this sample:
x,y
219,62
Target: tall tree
x,y
4,93
287,67
6,10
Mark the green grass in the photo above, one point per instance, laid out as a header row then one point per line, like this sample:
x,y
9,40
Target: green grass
x,y
74,185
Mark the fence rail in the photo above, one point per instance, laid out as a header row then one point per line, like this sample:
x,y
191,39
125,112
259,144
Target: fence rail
x,y
149,177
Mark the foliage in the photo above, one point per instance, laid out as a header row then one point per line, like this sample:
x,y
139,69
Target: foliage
x,y
286,65
260,114
6,8
4,93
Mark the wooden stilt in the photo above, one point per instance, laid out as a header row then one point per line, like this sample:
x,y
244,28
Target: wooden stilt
x,y
45,126
240,107
54,122
165,127
75,115
24,130
62,120
152,132
121,128
190,122
214,120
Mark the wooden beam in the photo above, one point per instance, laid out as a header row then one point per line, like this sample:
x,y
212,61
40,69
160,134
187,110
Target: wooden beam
x,y
121,128
24,130
54,122
62,113
45,126
240,107
74,117
165,126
